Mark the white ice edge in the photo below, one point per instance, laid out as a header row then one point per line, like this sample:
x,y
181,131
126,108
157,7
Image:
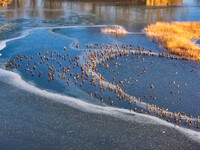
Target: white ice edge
x,y
15,79
27,32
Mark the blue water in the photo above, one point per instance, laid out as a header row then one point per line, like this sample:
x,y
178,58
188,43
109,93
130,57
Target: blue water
x,y
161,72
170,90
93,35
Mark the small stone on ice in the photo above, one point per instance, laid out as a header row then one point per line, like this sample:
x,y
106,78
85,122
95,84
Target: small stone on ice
x,y
163,132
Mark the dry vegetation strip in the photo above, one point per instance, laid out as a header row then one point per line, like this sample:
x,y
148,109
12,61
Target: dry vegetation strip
x,y
4,2
162,2
176,37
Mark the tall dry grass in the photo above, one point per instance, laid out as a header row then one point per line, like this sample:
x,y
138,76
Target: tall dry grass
x,y
4,2
176,37
162,2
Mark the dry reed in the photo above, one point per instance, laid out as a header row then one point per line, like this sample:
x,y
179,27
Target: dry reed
x,y
176,37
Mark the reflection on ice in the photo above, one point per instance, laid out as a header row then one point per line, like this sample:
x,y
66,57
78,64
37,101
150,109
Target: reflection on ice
x,y
95,12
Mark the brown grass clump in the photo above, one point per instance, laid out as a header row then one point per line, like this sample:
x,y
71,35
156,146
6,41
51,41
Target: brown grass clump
x,y
176,37
116,30
4,2
162,2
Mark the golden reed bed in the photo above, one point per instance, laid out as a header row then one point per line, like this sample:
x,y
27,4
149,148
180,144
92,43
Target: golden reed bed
x,y
176,37
162,2
4,2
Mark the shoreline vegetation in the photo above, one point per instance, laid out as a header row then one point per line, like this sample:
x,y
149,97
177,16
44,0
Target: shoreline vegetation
x,y
176,37
117,30
5,2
